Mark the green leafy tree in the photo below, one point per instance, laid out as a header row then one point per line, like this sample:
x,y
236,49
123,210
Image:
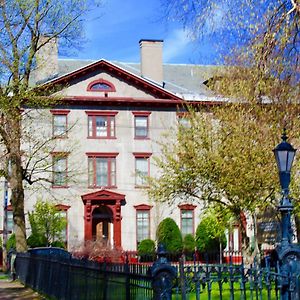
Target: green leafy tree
x,y
26,27
168,234
210,235
46,223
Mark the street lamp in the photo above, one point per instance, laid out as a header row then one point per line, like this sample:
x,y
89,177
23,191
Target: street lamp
x,y
287,255
284,155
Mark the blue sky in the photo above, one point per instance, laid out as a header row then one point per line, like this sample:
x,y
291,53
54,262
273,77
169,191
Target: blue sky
x,y
114,30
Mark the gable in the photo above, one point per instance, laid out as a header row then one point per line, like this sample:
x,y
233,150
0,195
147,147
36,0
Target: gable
x,y
104,195
126,84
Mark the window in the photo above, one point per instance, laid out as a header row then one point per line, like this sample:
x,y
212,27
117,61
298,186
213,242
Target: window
x,y
102,169
142,222
9,220
142,168
101,124
62,211
60,123
187,218
101,85
141,125
60,171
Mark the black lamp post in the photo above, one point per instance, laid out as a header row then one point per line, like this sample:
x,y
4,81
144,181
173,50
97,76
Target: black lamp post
x,y
287,254
284,155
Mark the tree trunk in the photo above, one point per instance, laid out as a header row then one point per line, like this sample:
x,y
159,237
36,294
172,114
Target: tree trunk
x,y
16,185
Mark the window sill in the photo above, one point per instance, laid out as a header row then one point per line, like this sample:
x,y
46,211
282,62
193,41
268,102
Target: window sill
x,y
101,138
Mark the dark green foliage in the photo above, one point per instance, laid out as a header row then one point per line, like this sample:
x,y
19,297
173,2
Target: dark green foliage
x,y
58,244
11,242
36,240
209,236
189,246
169,235
146,250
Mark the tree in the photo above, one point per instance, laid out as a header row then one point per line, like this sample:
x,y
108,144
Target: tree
x,y
226,158
210,234
46,224
223,159
26,27
169,235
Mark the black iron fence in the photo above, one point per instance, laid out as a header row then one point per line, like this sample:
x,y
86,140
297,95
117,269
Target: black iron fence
x,y
55,273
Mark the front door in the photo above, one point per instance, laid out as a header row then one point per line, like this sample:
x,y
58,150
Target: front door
x,y
102,223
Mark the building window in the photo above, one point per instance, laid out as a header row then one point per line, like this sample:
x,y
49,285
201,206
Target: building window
x,y
101,125
60,170
60,123
10,220
101,85
102,169
62,211
141,125
142,168
187,219
142,222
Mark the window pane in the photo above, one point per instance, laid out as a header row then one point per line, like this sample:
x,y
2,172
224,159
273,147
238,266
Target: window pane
x,y
60,171
91,171
112,126
141,171
101,172
141,126
142,225
59,125
101,126
113,171
90,125
187,222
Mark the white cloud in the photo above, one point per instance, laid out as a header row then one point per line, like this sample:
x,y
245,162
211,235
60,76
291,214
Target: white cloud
x,y
175,44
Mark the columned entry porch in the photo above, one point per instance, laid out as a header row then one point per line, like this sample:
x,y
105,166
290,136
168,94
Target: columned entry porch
x,y
102,216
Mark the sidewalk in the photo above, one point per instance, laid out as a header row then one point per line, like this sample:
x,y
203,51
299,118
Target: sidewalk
x,y
15,290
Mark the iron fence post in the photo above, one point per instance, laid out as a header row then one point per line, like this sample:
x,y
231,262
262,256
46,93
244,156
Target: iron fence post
x,y
163,276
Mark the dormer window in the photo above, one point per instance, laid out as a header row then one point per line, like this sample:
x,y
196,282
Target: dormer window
x,y
101,85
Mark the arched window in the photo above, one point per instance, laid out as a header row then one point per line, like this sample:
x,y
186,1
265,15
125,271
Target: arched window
x,y
101,85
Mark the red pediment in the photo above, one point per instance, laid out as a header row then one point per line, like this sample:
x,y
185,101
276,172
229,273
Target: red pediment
x,y
103,65
103,195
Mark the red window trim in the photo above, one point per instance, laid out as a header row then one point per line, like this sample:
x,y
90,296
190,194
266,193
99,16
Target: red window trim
x,y
141,113
139,208
9,207
189,207
107,114
59,111
104,155
64,155
145,155
112,87
143,207
101,113
142,154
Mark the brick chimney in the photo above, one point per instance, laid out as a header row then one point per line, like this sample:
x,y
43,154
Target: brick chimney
x,y
151,60
46,60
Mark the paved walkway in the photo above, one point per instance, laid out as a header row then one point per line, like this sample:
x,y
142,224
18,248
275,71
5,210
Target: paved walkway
x,y
15,290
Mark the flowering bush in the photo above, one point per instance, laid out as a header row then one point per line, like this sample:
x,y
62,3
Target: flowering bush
x,y
99,251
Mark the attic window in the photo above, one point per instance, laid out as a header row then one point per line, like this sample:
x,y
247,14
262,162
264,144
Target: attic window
x,y
101,86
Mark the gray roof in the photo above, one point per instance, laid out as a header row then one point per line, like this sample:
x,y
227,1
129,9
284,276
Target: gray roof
x,y
185,80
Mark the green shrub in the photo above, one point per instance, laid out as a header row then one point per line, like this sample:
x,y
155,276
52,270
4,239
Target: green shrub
x,y
189,243
209,235
169,235
146,250
11,242
36,240
59,244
